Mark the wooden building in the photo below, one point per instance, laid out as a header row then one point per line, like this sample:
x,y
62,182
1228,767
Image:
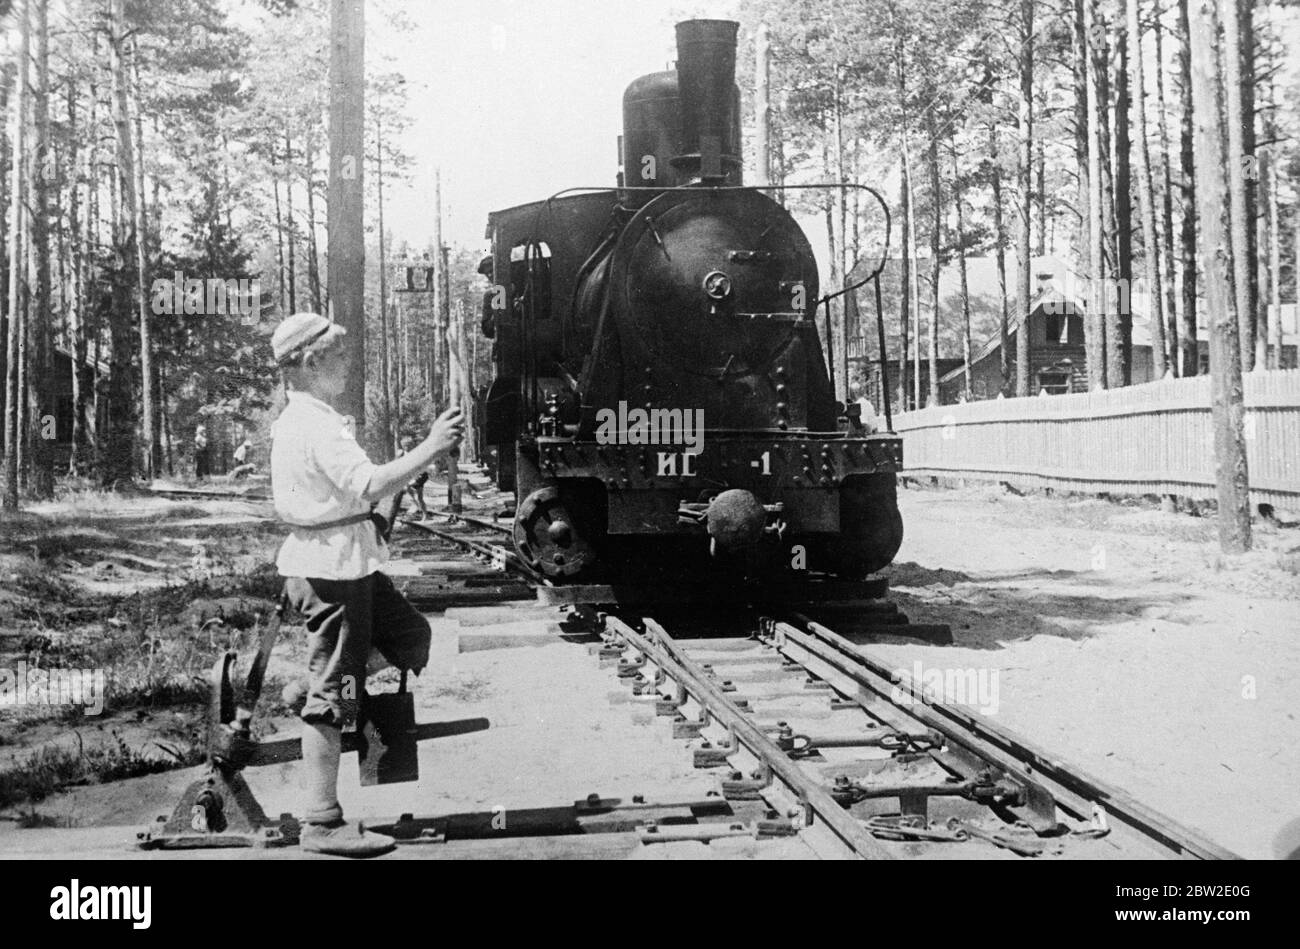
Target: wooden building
x,y
63,406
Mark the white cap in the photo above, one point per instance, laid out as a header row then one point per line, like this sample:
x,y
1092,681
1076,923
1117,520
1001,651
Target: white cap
x,y
298,331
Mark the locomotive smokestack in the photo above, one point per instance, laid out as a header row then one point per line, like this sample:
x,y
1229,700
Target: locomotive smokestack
x,y
706,76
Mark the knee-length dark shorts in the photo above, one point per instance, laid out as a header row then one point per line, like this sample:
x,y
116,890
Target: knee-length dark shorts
x,y
344,619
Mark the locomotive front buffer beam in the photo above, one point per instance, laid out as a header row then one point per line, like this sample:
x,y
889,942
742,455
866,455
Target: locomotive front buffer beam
x,y
658,489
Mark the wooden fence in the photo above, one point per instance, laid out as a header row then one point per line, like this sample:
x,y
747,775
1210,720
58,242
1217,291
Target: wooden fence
x,y
1155,438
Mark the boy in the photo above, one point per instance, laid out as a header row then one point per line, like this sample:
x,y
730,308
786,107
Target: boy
x,y
324,486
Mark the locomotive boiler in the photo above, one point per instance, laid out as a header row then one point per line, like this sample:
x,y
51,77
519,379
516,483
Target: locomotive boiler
x,y
660,396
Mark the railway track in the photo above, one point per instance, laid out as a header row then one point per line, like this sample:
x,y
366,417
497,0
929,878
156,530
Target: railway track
x,y
812,724
805,731
805,728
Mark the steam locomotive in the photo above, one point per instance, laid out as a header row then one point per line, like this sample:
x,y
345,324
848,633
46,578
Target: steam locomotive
x,y
659,394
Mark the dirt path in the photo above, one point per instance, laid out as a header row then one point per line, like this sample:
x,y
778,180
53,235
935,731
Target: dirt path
x,y
1123,641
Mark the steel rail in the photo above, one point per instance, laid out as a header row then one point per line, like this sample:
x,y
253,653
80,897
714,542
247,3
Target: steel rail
x,y
494,552
472,521
208,494
1001,744
664,652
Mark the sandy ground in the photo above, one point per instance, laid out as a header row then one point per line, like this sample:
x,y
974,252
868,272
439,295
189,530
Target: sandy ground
x,y
1114,635
1125,642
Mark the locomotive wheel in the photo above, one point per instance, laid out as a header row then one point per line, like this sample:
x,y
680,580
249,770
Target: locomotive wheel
x,y
871,527
550,539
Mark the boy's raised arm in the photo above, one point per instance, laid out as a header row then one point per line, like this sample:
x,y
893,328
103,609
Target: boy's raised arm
x,y
444,437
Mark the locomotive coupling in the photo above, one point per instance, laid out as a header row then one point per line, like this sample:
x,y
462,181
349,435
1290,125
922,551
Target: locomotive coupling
x,y
735,519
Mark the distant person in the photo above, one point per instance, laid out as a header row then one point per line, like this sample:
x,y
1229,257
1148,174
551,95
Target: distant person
x,y
866,411
324,487
416,486
243,467
202,454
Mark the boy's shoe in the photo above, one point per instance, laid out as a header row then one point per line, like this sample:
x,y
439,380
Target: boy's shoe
x,y
342,839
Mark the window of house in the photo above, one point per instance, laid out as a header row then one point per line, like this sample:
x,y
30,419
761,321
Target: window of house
x,y
1075,329
1054,382
1055,327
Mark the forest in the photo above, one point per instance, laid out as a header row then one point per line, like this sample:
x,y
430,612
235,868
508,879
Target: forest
x,y
1147,143
185,142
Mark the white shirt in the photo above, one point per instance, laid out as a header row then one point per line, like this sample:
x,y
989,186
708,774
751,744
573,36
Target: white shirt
x,y
867,414
319,474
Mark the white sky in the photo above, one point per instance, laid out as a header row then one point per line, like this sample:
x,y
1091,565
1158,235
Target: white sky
x,y
517,99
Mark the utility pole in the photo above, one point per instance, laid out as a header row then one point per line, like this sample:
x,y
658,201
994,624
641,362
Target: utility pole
x,y
439,298
347,251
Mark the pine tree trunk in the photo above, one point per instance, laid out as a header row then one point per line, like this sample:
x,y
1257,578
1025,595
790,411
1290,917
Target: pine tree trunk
x,y
916,282
1263,274
1191,354
1275,260
1240,172
42,171
91,310
1227,403
842,210
958,199
836,276
936,247
279,239
440,308
16,243
1269,349
313,259
905,285
7,72
120,455
1146,196
1167,210
1112,346
153,419
1025,207
391,441
1094,326
1040,190
77,297
289,225
1083,160
1000,235
1119,371
762,107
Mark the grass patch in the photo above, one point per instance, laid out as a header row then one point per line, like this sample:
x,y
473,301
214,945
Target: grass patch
x,y
54,767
